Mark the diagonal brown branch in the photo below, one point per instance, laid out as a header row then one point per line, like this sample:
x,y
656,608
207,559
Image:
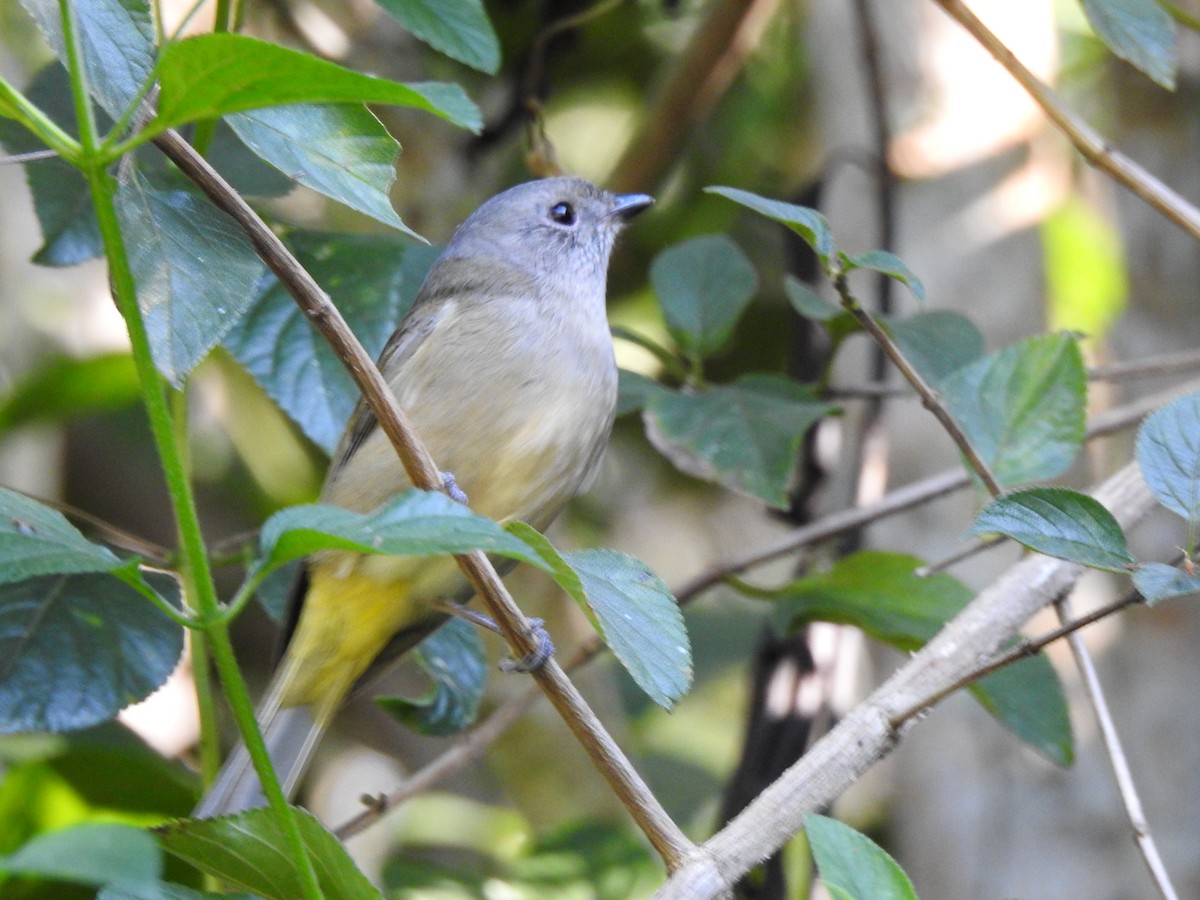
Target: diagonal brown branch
x,y
1095,149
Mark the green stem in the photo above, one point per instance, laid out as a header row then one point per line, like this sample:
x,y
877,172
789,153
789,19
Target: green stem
x,y
196,573
37,122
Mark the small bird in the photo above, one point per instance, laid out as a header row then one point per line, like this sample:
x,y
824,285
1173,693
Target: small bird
x,y
505,367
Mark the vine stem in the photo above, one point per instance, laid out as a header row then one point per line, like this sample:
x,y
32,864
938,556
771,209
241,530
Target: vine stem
x,y
197,577
666,837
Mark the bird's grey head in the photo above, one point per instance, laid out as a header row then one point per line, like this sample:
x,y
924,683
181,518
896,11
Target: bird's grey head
x,y
561,226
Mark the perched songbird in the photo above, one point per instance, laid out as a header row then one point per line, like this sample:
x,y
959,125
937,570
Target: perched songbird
x,y
505,367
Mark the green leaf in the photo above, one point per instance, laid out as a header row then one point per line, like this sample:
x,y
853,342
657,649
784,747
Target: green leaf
x,y
61,198
1158,581
416,523
178,245
1023,408
249,851
1168,452
217,74
65,387
806,222
1027,698
37,540
343,152
639,620
77,649
879,593
458,28
117,37
937,343
888,264
373,281
808,302
92,853
1058,522
633,391
1141,32
630,606
703,286
851,865
112,769
453,658
745,436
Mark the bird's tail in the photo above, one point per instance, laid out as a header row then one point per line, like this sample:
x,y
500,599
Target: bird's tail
x,y
291,736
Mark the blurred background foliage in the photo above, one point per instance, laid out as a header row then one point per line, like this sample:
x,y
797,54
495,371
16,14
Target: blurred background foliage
x,y
996,215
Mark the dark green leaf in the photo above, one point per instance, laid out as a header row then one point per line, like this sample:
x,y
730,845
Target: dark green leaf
x,y
453,657
1023,408
1158,581
703,286
245,171
77,649
60,194
93,853
808,302
1027,698
806,222
112,769
1141,32
373,281
217,74
343,152
889,264
851,865
937,343
629,605
117,37
66,387
37,540
745,436
458,28
879,593
639,620
275,590
416,523
178,243
249,851
1058,522
1168,451
633,391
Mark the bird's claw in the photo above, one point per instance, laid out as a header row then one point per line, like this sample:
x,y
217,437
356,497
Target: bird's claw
x,y
531,662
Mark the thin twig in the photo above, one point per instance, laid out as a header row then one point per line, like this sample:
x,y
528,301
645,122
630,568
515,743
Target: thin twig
x,y
31,156
1116,756
1022,650
929,398
1088,141
608,758
1166,364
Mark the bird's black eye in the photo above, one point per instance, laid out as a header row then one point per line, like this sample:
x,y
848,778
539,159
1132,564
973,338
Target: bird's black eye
x,y
563,213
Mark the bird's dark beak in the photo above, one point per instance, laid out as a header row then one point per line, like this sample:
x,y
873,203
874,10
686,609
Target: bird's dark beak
x,y
629,205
